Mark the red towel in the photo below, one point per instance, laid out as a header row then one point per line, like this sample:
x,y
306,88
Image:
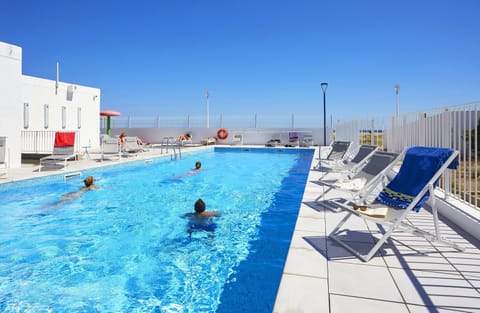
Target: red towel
x,y
66,139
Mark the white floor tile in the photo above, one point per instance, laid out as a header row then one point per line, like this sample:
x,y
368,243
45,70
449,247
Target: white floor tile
x,y
440,289
359,280
298,294
306,263
344,304
424,309
310,224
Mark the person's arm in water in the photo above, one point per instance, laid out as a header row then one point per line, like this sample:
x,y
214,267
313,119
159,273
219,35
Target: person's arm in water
x,y
212,213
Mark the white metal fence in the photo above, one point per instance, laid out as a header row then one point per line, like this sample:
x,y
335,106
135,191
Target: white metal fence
x,y
229,121
456,127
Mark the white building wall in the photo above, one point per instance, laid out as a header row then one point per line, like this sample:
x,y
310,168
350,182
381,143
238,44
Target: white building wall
x,y
18,91
10,100
38,92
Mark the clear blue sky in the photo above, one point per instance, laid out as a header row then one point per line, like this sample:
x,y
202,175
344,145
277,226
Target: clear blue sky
x,y
254,56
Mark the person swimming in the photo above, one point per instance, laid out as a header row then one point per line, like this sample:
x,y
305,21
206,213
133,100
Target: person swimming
x,y
198,167
201,220
89,184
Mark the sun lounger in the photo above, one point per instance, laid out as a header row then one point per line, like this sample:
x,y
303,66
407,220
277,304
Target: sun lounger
x,y
337,153
292,140
209,141
307,141
274,142
3,157
378,169
184,140
131,146
237,139
359,159
407,193
110,148
63,150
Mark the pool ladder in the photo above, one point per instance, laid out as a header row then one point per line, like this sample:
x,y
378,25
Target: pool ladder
x,y
170,142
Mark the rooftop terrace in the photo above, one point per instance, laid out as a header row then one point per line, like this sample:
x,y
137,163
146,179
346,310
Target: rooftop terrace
x,y
409,274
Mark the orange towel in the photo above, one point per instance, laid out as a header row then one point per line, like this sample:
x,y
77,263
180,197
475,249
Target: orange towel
x,y
65,139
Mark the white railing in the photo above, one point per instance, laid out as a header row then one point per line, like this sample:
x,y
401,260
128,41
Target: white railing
x,y
454,127
41,141
229,121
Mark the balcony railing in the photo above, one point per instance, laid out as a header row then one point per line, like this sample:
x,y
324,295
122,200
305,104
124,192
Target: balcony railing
x,y
41,141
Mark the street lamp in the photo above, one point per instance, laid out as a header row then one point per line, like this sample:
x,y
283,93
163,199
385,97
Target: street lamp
x,y
324,88
397,87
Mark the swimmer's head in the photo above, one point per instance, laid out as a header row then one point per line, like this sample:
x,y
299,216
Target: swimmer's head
x,y
199,206
89,181
198,165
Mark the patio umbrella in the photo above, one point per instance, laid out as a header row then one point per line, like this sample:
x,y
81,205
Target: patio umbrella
x,y
108,114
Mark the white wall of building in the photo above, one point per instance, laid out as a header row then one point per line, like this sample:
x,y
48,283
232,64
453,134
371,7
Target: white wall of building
x,y
38,92
10,99
22,105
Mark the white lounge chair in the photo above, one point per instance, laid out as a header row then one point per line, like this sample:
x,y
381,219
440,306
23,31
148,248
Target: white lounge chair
x,y
307,141
337,153
292,140
209,141
131,146
237,139
184,140
378,169
3,157
359,159
63,150
275,141
411,188
110,147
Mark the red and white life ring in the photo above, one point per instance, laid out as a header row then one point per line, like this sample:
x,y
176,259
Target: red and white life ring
x,y
222,134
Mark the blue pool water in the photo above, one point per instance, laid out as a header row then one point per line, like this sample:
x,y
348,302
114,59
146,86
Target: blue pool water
x,y
124,248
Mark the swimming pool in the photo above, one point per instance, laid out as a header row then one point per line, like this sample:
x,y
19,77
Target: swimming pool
x,y
124,248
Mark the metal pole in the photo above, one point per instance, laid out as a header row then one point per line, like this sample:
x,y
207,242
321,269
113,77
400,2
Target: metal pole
x,y
207,95
108,125
397,87
324,88
324,120
56,81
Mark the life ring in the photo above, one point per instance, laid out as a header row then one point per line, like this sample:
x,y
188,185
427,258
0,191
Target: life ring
x,y
222,134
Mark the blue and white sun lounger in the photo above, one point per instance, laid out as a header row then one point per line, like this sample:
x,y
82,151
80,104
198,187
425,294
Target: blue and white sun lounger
x,y
409,190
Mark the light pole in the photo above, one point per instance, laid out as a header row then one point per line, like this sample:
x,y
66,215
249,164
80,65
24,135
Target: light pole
x,y
397,87
207,119
324,88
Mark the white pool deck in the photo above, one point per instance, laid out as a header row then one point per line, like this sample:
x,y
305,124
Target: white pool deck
x,y
409,274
